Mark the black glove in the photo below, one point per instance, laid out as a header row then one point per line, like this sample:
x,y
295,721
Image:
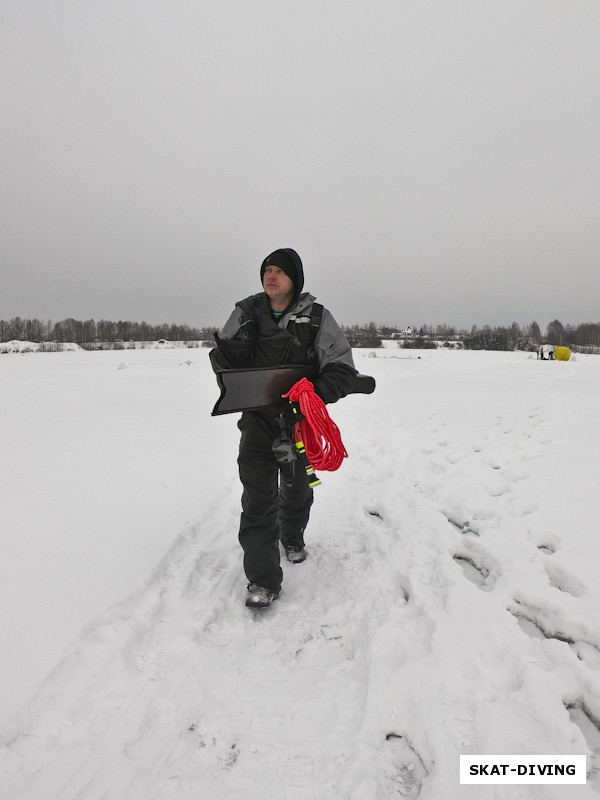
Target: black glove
x,y
247,332
237,351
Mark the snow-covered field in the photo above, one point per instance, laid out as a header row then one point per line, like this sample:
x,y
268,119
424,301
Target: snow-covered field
x,y
450,604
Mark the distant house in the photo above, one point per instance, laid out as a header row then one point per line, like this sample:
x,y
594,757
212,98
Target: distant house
x,y
405,333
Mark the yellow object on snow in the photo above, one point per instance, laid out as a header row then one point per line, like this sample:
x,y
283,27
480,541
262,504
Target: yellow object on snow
x,y
562,353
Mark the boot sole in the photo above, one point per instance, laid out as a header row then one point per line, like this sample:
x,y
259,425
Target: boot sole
x,y
251,604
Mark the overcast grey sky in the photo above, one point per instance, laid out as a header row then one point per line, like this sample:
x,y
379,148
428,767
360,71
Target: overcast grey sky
x,y
431,160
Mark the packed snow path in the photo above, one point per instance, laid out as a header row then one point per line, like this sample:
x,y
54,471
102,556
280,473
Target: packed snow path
x,y
449,605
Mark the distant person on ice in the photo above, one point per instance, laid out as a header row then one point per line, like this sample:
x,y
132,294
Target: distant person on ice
x,y
278,326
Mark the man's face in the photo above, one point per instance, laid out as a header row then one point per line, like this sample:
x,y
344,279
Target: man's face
x,y
279,287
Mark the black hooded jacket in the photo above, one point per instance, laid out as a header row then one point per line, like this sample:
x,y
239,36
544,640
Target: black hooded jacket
x,y
306,334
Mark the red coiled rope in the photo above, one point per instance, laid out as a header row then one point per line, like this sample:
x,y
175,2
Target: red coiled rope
x,y
320,434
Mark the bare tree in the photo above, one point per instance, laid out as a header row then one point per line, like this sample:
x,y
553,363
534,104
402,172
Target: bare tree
x,y
555,332
535,333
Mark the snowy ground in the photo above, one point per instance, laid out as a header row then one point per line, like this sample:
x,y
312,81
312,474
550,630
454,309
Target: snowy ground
x,y
450,603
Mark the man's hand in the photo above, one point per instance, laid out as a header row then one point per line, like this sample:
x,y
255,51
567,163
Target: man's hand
x,y
247,332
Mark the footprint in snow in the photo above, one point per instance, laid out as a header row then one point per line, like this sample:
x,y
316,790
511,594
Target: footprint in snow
x,y
477,573
330,633
461,527
532,452
299,778
589,725
548,549
513,475
221,755
232,756
531,625
564,581
588,653
455,456
496,488
404,769
521,508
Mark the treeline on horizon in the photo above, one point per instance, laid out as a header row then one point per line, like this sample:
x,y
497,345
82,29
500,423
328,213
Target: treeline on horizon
x,y
512,337
90,332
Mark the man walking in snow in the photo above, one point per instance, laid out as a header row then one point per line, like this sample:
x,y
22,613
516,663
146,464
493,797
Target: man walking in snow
x,y
279,326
